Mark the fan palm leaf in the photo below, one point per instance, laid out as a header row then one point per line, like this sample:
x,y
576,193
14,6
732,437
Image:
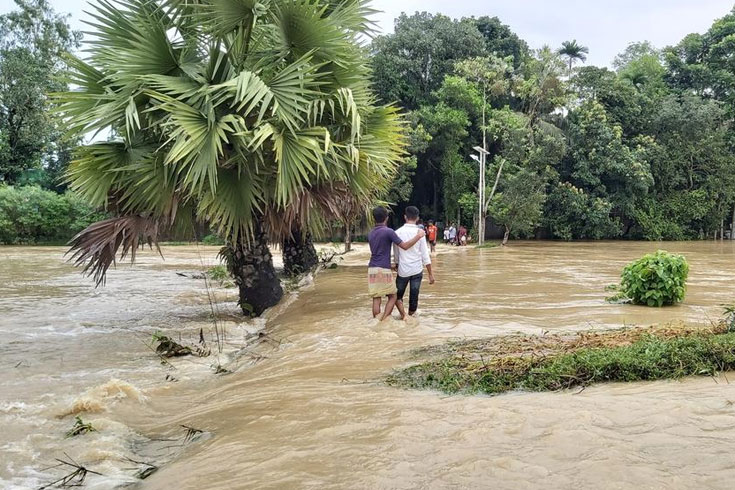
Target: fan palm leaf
x,y
238,111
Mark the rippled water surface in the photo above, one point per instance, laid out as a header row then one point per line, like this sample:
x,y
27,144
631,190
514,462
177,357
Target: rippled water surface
x,y
305,409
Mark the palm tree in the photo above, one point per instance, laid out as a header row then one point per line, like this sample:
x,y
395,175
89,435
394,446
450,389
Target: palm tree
x,y
573,51
253,115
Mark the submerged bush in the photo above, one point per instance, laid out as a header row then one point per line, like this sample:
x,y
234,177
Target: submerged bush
x,y
656,279
30,214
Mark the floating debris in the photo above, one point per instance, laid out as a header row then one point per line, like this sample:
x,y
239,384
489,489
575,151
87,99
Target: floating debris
x,y
80,427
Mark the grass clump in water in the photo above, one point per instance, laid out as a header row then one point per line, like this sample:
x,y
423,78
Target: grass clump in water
x,y
567,362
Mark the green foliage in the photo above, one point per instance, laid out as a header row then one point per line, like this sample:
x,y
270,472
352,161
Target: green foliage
x,y
79,428
213,239
573,51
571,214
33,215
249,116
218,273
649,358
411,63
729,311
518,206
603,164
33,42
501,41
402,186
656,279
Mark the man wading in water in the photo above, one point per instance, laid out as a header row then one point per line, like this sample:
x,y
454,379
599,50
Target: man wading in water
x,y
410,263
380,277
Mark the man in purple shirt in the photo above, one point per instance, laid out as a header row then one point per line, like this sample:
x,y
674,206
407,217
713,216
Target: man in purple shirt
x,y
380,276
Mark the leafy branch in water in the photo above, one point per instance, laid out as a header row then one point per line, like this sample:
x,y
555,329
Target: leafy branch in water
x,y
79,428
326,258
221,275
167,347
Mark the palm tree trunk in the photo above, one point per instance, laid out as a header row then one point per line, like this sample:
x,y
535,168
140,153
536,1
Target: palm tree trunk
x,y
299,254
251,265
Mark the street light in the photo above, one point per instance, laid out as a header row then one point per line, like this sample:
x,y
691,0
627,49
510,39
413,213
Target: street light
x,y
481,191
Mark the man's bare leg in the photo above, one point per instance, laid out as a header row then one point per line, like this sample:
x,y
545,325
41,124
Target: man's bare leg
x,y
389,306
376,307
401,310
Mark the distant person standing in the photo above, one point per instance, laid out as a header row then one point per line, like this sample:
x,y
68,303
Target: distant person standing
x,y
452,233
410,263
380,276
462,235
431,232
446,235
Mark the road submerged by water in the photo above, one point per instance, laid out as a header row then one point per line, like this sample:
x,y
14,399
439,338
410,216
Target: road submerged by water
x,y
311,411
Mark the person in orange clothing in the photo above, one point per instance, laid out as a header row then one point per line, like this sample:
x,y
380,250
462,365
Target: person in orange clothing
x,y
431,232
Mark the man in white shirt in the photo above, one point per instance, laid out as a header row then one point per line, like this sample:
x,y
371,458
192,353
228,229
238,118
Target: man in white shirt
x,y
410,263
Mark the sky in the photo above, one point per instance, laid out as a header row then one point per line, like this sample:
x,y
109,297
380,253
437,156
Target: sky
x,y
605,26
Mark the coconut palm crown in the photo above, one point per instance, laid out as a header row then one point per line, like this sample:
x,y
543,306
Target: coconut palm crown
x,y
249,114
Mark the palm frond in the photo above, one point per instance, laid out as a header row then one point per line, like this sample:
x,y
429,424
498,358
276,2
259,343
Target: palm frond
x,y
96,247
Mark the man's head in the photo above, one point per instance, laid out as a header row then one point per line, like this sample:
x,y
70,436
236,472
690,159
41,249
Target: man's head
x,y
411,214
431,222
380,214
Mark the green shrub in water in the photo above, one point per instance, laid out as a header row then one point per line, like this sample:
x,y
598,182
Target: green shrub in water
x,y
213,240
218,273
656,279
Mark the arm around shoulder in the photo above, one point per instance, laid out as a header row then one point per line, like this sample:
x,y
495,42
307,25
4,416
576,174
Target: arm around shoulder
x,y
410,243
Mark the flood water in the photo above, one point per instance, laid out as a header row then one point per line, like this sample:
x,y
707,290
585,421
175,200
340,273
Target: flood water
x,y
305,407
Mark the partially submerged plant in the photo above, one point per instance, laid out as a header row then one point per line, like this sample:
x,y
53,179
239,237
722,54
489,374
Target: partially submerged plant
x,y
218,273
562,361
80,427
729,311
657,279
191,433
167,347
74,479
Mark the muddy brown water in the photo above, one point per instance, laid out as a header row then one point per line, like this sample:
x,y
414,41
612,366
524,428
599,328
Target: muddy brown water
x,y
311,412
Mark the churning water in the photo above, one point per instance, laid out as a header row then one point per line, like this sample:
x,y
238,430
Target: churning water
x,y
304,408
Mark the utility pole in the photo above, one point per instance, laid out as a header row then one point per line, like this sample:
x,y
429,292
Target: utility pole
x,y
482,159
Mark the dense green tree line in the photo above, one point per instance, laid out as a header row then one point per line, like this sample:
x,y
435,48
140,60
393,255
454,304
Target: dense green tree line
x,y
641,151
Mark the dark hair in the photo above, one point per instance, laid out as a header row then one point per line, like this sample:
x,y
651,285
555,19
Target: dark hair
x,y
411,212
380,214
431,221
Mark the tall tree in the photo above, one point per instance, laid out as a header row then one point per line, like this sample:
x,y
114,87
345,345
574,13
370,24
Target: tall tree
x,y
411,63
574,52
501,41
256,117
33,41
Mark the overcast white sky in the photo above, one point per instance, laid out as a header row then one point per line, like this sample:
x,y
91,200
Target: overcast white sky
x,y
605,26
